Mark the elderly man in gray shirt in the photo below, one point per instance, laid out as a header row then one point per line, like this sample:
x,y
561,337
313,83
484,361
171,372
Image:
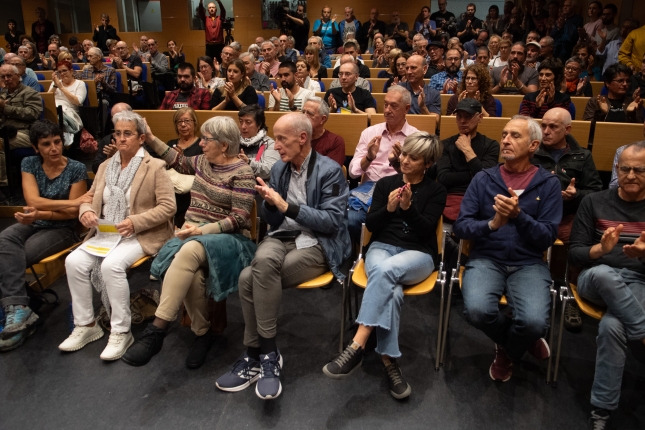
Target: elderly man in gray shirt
x,y
259,81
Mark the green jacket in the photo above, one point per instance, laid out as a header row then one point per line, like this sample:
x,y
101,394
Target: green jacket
x,y
576,162
21,108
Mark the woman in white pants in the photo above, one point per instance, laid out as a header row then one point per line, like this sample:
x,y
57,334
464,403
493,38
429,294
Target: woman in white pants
x,y
132,190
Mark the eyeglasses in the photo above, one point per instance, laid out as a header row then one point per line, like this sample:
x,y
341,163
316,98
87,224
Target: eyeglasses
x,y
184,121
209,139
127,134
638,170
470,78
6,76
621,81
572,69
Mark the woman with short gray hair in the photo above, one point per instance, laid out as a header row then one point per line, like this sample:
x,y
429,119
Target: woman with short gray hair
x,y
206,257
403,218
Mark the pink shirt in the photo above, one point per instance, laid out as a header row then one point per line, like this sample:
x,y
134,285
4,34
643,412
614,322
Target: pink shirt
x,y
273,70
380,167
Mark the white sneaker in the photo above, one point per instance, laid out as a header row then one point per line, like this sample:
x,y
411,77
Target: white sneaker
x,y
117,345
80,337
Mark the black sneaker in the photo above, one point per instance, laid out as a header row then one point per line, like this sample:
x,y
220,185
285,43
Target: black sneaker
x,y
343,366
199,350
399,388
599,419
572,317
146,347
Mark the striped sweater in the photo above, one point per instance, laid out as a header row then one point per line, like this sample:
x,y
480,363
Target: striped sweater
x,y
529,104
598,212
222,195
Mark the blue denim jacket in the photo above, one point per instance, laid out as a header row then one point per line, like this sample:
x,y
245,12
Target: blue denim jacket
x,y
523,239
324,214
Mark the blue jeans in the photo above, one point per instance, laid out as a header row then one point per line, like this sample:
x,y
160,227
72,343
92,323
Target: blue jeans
x,y
527,291
355,220
20,247
388,269
623,292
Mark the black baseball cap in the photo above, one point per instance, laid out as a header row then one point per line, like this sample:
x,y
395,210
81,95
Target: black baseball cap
x,y
436,43
470,106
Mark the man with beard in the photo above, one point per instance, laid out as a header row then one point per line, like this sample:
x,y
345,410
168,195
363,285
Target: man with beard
x,y
350,26
398,31
515,78
366,32
348,98
436,63
291,96
187,95
300,28
469,26
446,82
442,17
608,29
532,54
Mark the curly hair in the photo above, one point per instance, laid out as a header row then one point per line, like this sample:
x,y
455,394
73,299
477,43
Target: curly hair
x,y
555,65
483,80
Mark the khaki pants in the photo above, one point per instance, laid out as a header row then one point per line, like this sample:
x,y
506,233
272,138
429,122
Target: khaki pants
x,y
20,141
185,281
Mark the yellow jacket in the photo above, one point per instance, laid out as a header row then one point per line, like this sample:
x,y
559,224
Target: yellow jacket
x,y
633,48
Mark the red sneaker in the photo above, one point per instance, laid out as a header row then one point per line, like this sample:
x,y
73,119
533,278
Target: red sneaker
x,y
540,349
502,367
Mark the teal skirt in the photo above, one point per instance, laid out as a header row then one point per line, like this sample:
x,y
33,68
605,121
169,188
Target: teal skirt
x,y
228,255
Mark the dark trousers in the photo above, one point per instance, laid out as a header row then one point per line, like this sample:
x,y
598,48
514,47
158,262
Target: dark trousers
x,y
20,247
214,50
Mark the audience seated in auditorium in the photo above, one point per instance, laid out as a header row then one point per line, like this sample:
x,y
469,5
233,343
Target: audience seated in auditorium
x,y
228,55
133,191
158,61
475,84
515,78
618,105
403,220
381,60
360,82
533,50
236,92
474,44
131,63
548,96
323,141
502,58
208,75
573,85
269,65
49,63
187,94
351,49
397,30
446,81
69,93
613,274
613,183
107,145
105,77
20,106
28,52
303,76
290,96
201,262
587,53
323,58
53,187
21,65
187,144
257,149
348,98
370,161
424,100
482,56
509,236
289,53
317,70
307,238
259,81
399,60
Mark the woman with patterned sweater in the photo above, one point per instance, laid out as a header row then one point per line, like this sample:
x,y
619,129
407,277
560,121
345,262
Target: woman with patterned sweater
x,y
202,261
548,95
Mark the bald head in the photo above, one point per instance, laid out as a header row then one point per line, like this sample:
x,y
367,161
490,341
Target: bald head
x,y
556,126
120,107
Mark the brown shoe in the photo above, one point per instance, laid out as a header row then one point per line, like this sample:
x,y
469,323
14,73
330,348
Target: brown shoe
x,y
502,367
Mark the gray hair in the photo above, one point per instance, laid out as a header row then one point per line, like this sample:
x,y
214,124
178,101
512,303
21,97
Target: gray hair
x,y
247,54
405,94
576,59
299,123
224,130
423,144
548,40
273,40
291,40
323,107
236,45
96,51
22,60
268,42
13,68
133,117
535,131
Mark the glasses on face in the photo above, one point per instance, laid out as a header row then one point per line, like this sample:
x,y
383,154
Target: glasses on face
x,y
571,69
208,139
621,81
626,170
470,78
185,121
127,134
62,71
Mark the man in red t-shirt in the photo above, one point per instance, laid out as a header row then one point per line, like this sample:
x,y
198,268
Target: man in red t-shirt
x,y
323,141
213,28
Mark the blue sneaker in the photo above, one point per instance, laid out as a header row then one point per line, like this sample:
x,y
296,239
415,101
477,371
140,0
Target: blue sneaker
x,y
16,340
268,386
18,318
245,372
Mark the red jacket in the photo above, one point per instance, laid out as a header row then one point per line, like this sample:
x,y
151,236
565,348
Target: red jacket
x,y
199,99
213,25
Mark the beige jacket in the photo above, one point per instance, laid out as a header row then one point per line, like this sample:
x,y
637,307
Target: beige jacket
x,y
152,203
